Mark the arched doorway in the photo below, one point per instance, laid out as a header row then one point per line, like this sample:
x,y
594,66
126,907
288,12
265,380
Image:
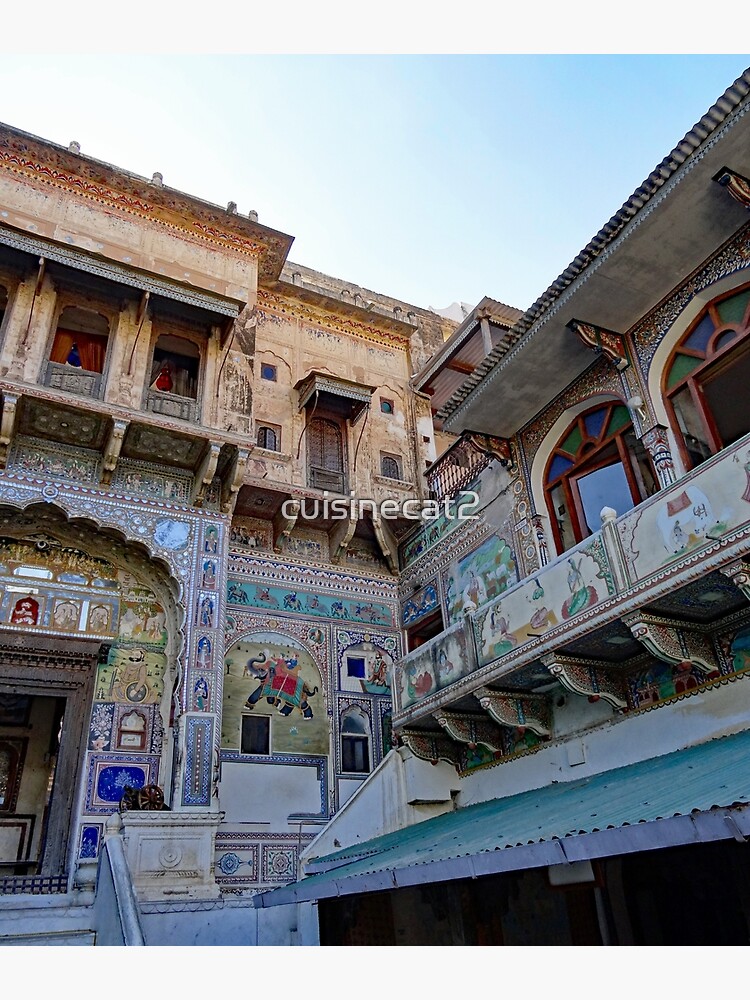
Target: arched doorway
x,y
89,637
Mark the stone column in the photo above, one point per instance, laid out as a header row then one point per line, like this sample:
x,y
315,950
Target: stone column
x,y
656,443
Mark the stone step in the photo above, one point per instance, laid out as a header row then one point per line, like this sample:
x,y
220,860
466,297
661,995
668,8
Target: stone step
x,y
46,938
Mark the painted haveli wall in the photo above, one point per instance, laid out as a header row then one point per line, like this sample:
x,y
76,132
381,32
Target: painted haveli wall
x,y
306,643
132,518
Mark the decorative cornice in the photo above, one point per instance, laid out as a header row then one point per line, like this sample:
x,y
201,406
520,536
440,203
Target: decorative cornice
x,y
112,271
38,161
282,308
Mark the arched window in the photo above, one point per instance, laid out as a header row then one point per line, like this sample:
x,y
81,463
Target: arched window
x,y
175,366
598,463
80,340
174,377
390,467
355,742
325,456
706,378
78,352
268,438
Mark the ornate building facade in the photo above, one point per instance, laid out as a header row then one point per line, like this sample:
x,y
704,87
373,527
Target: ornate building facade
x,y
178,618
573,719
522,720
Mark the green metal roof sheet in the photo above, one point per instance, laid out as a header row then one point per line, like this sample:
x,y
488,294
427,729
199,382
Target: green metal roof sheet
x,y
712,775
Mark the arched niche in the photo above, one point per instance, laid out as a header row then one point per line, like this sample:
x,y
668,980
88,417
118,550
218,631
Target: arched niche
x,y
273,677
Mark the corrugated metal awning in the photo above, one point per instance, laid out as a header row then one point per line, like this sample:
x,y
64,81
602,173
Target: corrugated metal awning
x,y
696,795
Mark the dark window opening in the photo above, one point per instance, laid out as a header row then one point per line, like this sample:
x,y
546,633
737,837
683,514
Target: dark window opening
x,y
80,340
325,456
390,467
268,438
355,666
175,367
355,743
256,734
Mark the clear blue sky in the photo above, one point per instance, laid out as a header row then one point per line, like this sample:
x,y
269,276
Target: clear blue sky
x,y
429,178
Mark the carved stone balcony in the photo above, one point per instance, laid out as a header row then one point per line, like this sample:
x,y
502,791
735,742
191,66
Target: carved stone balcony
x,y
661,590
75,380
170,405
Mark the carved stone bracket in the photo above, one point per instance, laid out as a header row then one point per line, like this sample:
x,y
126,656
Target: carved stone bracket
x,y
387,543
284,522
737,185
205,473
739,573
7,425
463,727
113,448
611,345
232,480
524,711
590,678
431,745
339,537
672,643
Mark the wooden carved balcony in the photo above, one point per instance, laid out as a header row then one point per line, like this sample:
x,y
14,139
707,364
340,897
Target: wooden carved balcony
x,y
462,463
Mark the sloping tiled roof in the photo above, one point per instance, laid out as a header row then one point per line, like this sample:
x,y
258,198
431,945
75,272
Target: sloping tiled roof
x,y
716,115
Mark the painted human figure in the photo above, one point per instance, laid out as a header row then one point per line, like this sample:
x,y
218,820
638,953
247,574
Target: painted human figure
x,y
209,573
211,542
207,612
25,612
201,694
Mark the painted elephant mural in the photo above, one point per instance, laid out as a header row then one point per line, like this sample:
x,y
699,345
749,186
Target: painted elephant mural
x,y
280,684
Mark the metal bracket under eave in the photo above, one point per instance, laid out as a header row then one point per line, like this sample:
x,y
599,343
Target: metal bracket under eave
x,y
464,727
737,185
431,745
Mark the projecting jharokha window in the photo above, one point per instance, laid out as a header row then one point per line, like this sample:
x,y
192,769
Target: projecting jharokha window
x,y
598,463
706,379
325,456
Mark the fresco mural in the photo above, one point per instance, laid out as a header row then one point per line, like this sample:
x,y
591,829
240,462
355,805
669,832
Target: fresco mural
x,y
713,501
366,667
273,675
575,582
316,605
434,666
480,576
423,602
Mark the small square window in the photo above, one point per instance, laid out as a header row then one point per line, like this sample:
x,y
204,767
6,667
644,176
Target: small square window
x,y
269,437
355,666
268,372
386,406
256,734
